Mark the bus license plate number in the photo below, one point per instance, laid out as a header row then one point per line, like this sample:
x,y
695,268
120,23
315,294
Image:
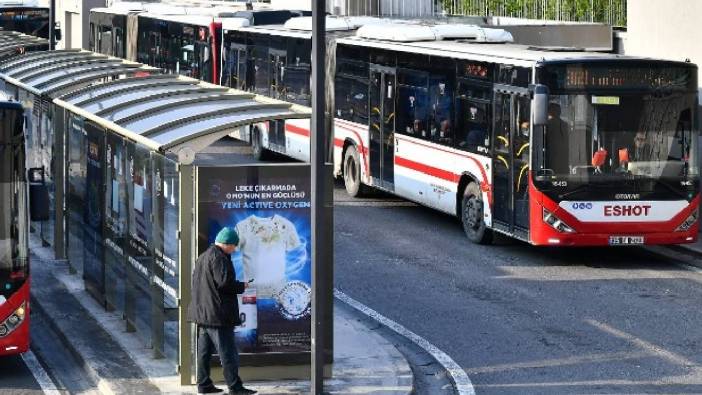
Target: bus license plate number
x,y
625,240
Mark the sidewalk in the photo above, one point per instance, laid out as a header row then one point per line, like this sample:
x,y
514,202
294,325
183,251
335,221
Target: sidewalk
x,y
364,362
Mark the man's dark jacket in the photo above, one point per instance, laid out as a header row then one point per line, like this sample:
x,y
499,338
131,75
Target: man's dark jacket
x,y
214,301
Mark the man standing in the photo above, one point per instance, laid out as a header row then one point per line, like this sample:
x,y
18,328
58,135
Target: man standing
x,y
215,310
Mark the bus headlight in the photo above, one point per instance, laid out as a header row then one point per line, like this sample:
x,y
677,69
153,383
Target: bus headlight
x,y
13,321
556,223
689,222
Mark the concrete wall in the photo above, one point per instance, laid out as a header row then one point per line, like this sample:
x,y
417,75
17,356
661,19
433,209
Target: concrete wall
x,y
668,29
73,17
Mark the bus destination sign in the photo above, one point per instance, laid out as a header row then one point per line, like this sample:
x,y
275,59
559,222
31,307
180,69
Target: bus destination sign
x,y
579,77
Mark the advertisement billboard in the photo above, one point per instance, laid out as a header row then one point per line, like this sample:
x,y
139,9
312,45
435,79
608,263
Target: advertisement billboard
x,y
269,206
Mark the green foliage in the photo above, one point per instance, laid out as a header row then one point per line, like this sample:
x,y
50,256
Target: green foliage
x,y
607,11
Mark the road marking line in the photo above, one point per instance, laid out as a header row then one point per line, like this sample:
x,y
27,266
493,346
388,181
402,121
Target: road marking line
x,y
555,362
643,344
40,375
459,377
351,203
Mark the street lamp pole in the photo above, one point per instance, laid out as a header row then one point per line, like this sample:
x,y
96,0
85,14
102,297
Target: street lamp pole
x,y
320,232
52,25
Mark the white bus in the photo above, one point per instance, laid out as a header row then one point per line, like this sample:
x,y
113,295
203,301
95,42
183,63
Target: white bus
x,y
550,146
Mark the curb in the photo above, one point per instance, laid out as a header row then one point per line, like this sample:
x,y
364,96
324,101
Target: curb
x,y
102,385
83,335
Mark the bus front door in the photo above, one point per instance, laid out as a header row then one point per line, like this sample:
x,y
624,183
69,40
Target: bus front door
x,y
382,127
510,162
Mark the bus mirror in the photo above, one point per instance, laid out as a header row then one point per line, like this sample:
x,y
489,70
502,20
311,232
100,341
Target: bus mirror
x,y
38,195
540,104
57,32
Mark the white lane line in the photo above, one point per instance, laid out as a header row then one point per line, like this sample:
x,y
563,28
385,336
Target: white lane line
x,y
40,374
651,348
458,375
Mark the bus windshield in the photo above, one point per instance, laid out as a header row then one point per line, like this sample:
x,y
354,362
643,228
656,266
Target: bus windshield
x,y
13,223
615,136
33,21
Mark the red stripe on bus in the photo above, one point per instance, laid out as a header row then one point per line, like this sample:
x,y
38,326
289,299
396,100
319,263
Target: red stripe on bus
x,y
426,169
484,183
297,130
362,148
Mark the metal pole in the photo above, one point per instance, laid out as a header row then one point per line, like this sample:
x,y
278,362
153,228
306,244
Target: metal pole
x,y
52,25
318,159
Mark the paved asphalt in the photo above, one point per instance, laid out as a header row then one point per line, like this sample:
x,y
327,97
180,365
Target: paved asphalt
x,y
15,377
518,319
65,372
521,319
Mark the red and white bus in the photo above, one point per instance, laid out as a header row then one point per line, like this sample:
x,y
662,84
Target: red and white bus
x,y
550,146
181,40
14,231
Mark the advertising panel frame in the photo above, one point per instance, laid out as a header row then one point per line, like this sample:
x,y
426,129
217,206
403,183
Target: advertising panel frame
x,y
267,365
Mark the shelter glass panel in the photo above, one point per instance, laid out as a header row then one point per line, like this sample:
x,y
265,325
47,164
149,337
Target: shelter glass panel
x,y
175,112
165,270
115,210
200,125
129,96
94,254
139,248
77,172
92,77
101,89
128,111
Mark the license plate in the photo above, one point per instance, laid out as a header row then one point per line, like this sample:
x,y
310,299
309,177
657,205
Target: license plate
x,y
625,240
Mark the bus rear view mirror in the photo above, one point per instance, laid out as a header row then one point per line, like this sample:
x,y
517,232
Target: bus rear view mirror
x,y
540,104
38,195
57,31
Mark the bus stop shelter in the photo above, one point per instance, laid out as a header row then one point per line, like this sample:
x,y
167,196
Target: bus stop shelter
x,y
141,171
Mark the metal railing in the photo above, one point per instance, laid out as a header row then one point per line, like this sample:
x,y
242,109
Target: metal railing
x,y
612,12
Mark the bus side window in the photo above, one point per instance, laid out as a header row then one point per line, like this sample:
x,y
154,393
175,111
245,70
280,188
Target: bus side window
x,y
119,46
440,109
91,39
142,48
412,104
472,124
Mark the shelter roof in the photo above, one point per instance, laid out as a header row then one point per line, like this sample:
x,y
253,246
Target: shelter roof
x,y
165,112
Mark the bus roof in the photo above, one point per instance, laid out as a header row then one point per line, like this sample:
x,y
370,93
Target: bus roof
x,y
516,54
120,8
20,3
301,27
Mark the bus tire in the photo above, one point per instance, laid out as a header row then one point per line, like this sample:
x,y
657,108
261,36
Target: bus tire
x,y
352,172
259,153
472,216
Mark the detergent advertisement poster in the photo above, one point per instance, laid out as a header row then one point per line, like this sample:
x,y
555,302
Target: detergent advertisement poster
x,y
269,207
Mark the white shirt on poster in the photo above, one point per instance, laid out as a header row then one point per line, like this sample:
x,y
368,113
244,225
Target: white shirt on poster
x,y
264,243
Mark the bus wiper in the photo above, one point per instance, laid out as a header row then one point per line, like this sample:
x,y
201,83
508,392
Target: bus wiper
x,y
580,188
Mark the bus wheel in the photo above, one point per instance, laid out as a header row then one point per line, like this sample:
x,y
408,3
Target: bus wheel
x,y
472,215
352,173
259,152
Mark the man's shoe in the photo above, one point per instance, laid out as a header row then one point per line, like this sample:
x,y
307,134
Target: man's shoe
x,y
210,390
242,391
